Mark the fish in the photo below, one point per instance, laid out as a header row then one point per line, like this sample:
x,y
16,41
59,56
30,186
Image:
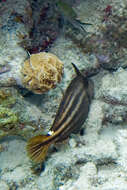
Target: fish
x,y
70,15
72,113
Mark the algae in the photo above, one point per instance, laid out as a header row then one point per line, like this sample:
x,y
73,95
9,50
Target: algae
x,y
6,98
16,117
7,117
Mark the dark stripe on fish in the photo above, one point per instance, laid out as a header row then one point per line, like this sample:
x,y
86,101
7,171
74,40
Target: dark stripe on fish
x,y
77,117
70,107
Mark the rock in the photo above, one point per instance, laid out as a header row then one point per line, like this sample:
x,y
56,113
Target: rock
x,y
114,88
14,151
88,171
3,186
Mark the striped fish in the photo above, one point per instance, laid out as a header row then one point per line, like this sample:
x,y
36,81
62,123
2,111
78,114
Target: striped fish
x,y
71,115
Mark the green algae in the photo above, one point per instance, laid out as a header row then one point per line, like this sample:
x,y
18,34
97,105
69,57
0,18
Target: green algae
x,y
7,117
6,98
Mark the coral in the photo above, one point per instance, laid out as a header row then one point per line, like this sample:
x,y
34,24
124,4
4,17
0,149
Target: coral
x,y
41,72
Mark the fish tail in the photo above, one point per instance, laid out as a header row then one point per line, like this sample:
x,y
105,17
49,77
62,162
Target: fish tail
x,y
37,148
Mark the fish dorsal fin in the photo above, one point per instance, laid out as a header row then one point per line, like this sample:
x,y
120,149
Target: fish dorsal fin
x,y
80,74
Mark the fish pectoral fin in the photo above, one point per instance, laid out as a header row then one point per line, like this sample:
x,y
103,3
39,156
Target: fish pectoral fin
x,y
35,148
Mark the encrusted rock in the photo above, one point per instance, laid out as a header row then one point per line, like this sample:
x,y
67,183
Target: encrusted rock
x,y
114,88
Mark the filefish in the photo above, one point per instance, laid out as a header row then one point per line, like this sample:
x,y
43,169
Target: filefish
x,y
70,15
72,113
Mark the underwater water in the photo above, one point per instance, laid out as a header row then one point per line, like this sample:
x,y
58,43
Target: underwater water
x,y
63,95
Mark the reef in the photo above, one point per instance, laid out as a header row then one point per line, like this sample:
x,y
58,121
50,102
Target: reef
x,y
96,157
